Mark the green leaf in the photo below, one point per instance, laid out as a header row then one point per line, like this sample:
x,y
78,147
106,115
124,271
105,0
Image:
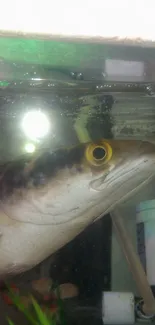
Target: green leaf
x,y
43,319
10,321
16,300
60,307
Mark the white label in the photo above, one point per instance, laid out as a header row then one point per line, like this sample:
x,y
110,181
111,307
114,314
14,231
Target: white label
x,y
124,68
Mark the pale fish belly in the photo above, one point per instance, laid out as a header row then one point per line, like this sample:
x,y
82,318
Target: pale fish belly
x,y
22,246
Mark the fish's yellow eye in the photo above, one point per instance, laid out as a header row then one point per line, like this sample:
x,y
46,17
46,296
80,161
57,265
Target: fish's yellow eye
x,y
98,154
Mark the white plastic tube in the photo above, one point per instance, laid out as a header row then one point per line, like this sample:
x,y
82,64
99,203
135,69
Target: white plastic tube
x,y
145,218
134,264
118,308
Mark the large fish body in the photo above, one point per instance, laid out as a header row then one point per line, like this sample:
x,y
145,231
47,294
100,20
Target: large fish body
x,y
47,200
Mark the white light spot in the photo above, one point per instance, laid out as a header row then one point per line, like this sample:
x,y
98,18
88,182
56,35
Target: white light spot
x,y
35,125
30,147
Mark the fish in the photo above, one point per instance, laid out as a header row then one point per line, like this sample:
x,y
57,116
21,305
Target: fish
x,y
48,198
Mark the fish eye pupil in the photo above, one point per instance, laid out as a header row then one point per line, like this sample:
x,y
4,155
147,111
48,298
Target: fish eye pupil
x,y
99,153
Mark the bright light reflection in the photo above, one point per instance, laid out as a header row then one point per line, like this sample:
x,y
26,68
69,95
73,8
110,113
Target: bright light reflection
x,y
35,125
30,147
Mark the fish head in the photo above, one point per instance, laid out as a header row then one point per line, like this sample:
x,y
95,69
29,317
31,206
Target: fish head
x,y
60,186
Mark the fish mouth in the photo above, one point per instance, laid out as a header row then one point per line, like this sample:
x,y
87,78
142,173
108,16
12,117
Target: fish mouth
x,y
125,196
115,174
120,187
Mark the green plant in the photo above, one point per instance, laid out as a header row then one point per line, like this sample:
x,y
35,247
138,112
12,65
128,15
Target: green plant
x,y
36,316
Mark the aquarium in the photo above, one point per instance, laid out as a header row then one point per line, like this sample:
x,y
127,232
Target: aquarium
x,y
77,157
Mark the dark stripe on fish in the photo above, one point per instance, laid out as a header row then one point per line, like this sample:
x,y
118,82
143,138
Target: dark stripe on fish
x,y
18,175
